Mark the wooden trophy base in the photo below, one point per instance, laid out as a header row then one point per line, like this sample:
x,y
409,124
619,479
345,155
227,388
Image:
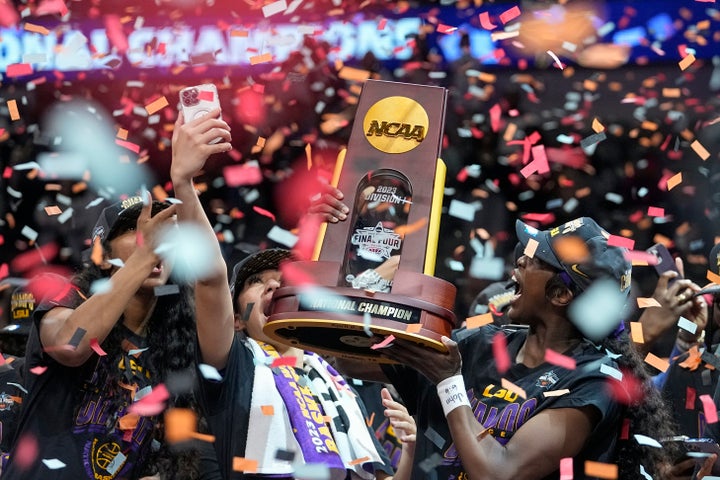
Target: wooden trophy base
x,y
339,321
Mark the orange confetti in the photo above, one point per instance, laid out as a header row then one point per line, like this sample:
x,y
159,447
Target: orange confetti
x,y
264,58
129,421
636,332
700,150
268,410
238,33
693,360
414,328
159,193
686,62
358,461
30,27
531,248
157,105
353,74
97,252
53,210
674,181
478,320
241,464
657,362
713,277
647,302
597,126
507,384
180,424
308,155
571,249
601,470
122,134
13,108
671,92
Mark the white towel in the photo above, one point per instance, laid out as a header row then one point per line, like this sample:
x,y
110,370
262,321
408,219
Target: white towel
x,y
268,433
356,443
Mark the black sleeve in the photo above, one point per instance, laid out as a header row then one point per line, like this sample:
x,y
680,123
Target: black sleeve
x,y
406,381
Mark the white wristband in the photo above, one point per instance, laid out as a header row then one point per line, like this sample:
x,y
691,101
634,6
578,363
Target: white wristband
x,y
452,393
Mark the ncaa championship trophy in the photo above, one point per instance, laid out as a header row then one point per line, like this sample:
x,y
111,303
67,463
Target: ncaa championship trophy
x,y
373,272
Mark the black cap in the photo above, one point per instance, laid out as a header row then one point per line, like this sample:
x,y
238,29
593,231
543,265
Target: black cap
x,y
117,219
257,262
714,259
603,260
109,216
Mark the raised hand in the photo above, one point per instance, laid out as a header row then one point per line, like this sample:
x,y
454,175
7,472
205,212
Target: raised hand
x,y
190,143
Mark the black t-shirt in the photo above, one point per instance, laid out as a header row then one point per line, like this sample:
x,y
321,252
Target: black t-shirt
x,y
11,398
68,413
503,411
226,404
682,391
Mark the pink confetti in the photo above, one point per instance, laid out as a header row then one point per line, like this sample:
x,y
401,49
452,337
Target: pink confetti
x,y
115,33
485,21
543,218
640,256
96,347
152,403
385,343
709,408
623,242
566,468
39,370
18,70
500,353
264,212
245,174
381,24
295,276
495,112
445,29
690,396
656,212
510,14
4,271
206,95
555,358
283,362
7,173
129,145
26,451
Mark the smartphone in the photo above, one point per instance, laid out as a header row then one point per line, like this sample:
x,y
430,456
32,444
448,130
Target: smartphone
x,y
665,261
701,448
198,101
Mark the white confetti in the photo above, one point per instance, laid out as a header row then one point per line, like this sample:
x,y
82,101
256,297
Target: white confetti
x,y
612,372
273,8
53,463
209,372
647,441
599,310
687,325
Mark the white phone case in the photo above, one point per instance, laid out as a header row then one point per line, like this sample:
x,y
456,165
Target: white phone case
x,y
198,101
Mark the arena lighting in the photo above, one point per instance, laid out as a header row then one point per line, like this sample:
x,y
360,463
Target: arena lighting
x,y
89,48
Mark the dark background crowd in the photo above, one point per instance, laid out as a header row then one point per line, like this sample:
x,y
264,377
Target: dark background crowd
x,y
645,115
